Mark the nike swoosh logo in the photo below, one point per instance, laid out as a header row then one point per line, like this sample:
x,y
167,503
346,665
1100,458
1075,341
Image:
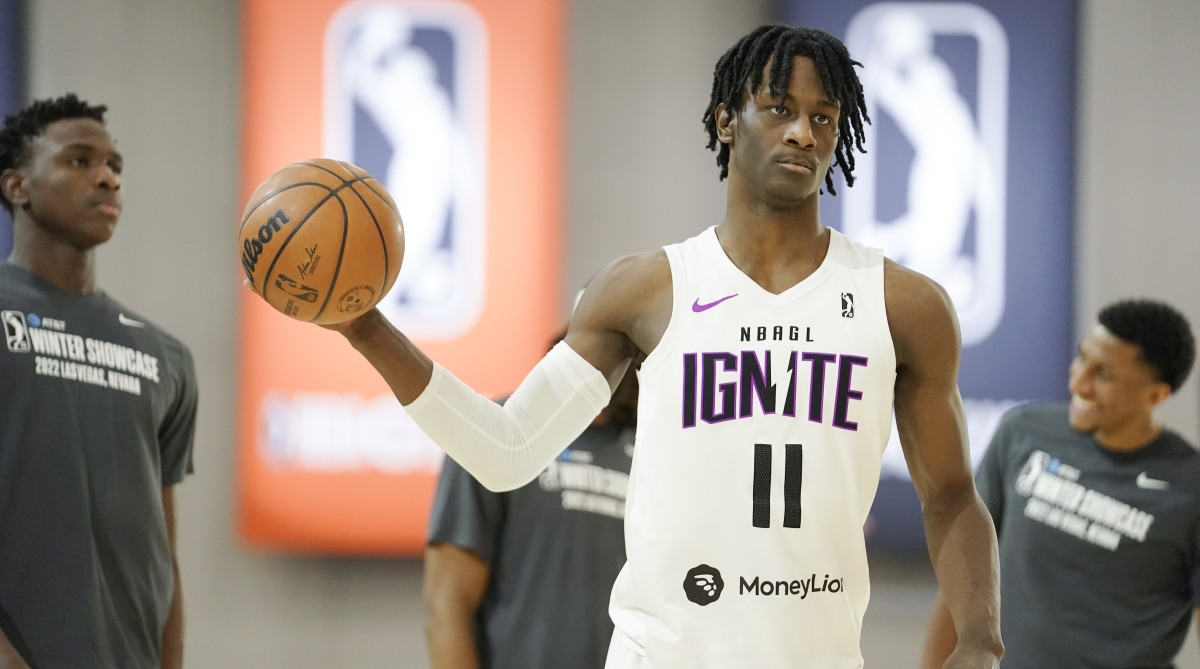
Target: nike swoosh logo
x,y
697,307
125,320
1144,481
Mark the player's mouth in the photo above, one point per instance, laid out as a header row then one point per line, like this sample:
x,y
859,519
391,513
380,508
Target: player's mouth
x,y
798,164
109,207
1081,408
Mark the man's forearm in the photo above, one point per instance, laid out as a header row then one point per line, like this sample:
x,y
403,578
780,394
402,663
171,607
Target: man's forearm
x,y
962,547
172,641
451,646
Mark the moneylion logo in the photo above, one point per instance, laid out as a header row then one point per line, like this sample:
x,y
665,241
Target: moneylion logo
x,y
703,584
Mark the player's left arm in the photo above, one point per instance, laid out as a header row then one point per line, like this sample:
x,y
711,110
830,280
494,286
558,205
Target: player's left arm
x,y
932,430
172,640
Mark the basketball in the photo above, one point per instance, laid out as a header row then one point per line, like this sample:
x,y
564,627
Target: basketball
x,y
321,241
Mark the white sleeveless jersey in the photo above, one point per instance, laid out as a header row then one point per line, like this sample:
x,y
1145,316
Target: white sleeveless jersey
x,y
762,422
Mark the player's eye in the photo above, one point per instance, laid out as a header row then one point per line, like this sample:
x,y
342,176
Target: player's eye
x,y
778,110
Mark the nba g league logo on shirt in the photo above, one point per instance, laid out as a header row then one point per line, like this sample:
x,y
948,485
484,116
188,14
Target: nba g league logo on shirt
x,y
62,355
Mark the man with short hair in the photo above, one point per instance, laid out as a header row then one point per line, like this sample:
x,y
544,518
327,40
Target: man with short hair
x,y
1097,507
97,415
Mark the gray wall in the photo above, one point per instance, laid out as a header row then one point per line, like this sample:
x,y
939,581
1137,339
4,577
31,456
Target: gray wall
x,y
639,176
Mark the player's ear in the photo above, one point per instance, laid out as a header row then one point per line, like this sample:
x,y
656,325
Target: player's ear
x,y
1157,393
12,184
725,122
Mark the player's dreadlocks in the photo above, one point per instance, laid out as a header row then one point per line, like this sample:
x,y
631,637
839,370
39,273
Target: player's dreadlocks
x,y
21,127
740,71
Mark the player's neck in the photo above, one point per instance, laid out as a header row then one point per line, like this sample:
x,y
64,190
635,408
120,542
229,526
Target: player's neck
x,y
775,252
65,266
1130,437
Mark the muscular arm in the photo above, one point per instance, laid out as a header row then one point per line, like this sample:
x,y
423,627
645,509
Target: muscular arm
x,y
932,428
623,313
172,641
455,582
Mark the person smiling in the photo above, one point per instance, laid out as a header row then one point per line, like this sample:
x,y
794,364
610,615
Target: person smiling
x,y
1097,506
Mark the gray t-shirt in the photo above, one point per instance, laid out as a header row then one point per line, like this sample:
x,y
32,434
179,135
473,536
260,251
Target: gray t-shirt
x,y
99,410
554,547
1099,551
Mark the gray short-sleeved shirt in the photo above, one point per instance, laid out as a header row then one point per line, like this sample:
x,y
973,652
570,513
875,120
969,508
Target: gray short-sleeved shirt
x,y
554,547
1099,551
98,414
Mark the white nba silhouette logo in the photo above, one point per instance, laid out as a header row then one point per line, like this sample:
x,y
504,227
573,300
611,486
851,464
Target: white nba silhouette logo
x,y
16,331
405,99
953,228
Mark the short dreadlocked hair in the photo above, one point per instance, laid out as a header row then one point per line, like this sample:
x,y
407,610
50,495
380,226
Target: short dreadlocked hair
x,y
21,127
1161,333
741,70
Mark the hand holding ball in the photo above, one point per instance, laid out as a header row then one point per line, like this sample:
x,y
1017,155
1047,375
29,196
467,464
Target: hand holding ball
x,y
321,241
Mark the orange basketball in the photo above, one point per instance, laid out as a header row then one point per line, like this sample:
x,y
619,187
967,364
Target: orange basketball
x,y
321,241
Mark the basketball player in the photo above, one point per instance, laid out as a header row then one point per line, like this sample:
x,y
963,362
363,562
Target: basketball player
x,y
98,413
773,350
1097,507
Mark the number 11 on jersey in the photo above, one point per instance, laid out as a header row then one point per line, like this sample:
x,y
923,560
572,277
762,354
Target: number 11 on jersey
x,y
793,474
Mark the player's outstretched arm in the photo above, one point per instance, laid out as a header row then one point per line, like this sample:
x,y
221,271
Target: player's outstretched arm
x,y
506,447
502,447
932,428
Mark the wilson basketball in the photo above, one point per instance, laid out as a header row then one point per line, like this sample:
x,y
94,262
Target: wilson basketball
x,y
321,241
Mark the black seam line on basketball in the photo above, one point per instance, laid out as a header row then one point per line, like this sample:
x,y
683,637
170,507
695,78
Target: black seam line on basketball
x,y
273,193
378,229
324,169
386,200
287,240
337,267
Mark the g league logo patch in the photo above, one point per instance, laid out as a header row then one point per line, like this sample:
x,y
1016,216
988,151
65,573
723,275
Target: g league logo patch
x,y
16,331
935,77
406,99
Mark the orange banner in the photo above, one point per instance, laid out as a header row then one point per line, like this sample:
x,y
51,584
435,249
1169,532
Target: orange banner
x,y
457,108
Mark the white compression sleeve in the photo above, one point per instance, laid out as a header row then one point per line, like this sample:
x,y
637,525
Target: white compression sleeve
x,y
505,447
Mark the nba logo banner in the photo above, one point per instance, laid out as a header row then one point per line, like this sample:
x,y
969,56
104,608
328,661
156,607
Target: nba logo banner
x,y
455,107
967,179
405,98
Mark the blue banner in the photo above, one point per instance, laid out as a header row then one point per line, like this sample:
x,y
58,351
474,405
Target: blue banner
x,y
968,179
12,65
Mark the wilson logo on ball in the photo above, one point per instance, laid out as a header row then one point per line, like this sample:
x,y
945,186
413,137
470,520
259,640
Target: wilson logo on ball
x,y
253,248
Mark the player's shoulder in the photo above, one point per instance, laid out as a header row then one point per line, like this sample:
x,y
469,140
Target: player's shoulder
x,y
630,280
920,314
636,268
142,326
909,291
